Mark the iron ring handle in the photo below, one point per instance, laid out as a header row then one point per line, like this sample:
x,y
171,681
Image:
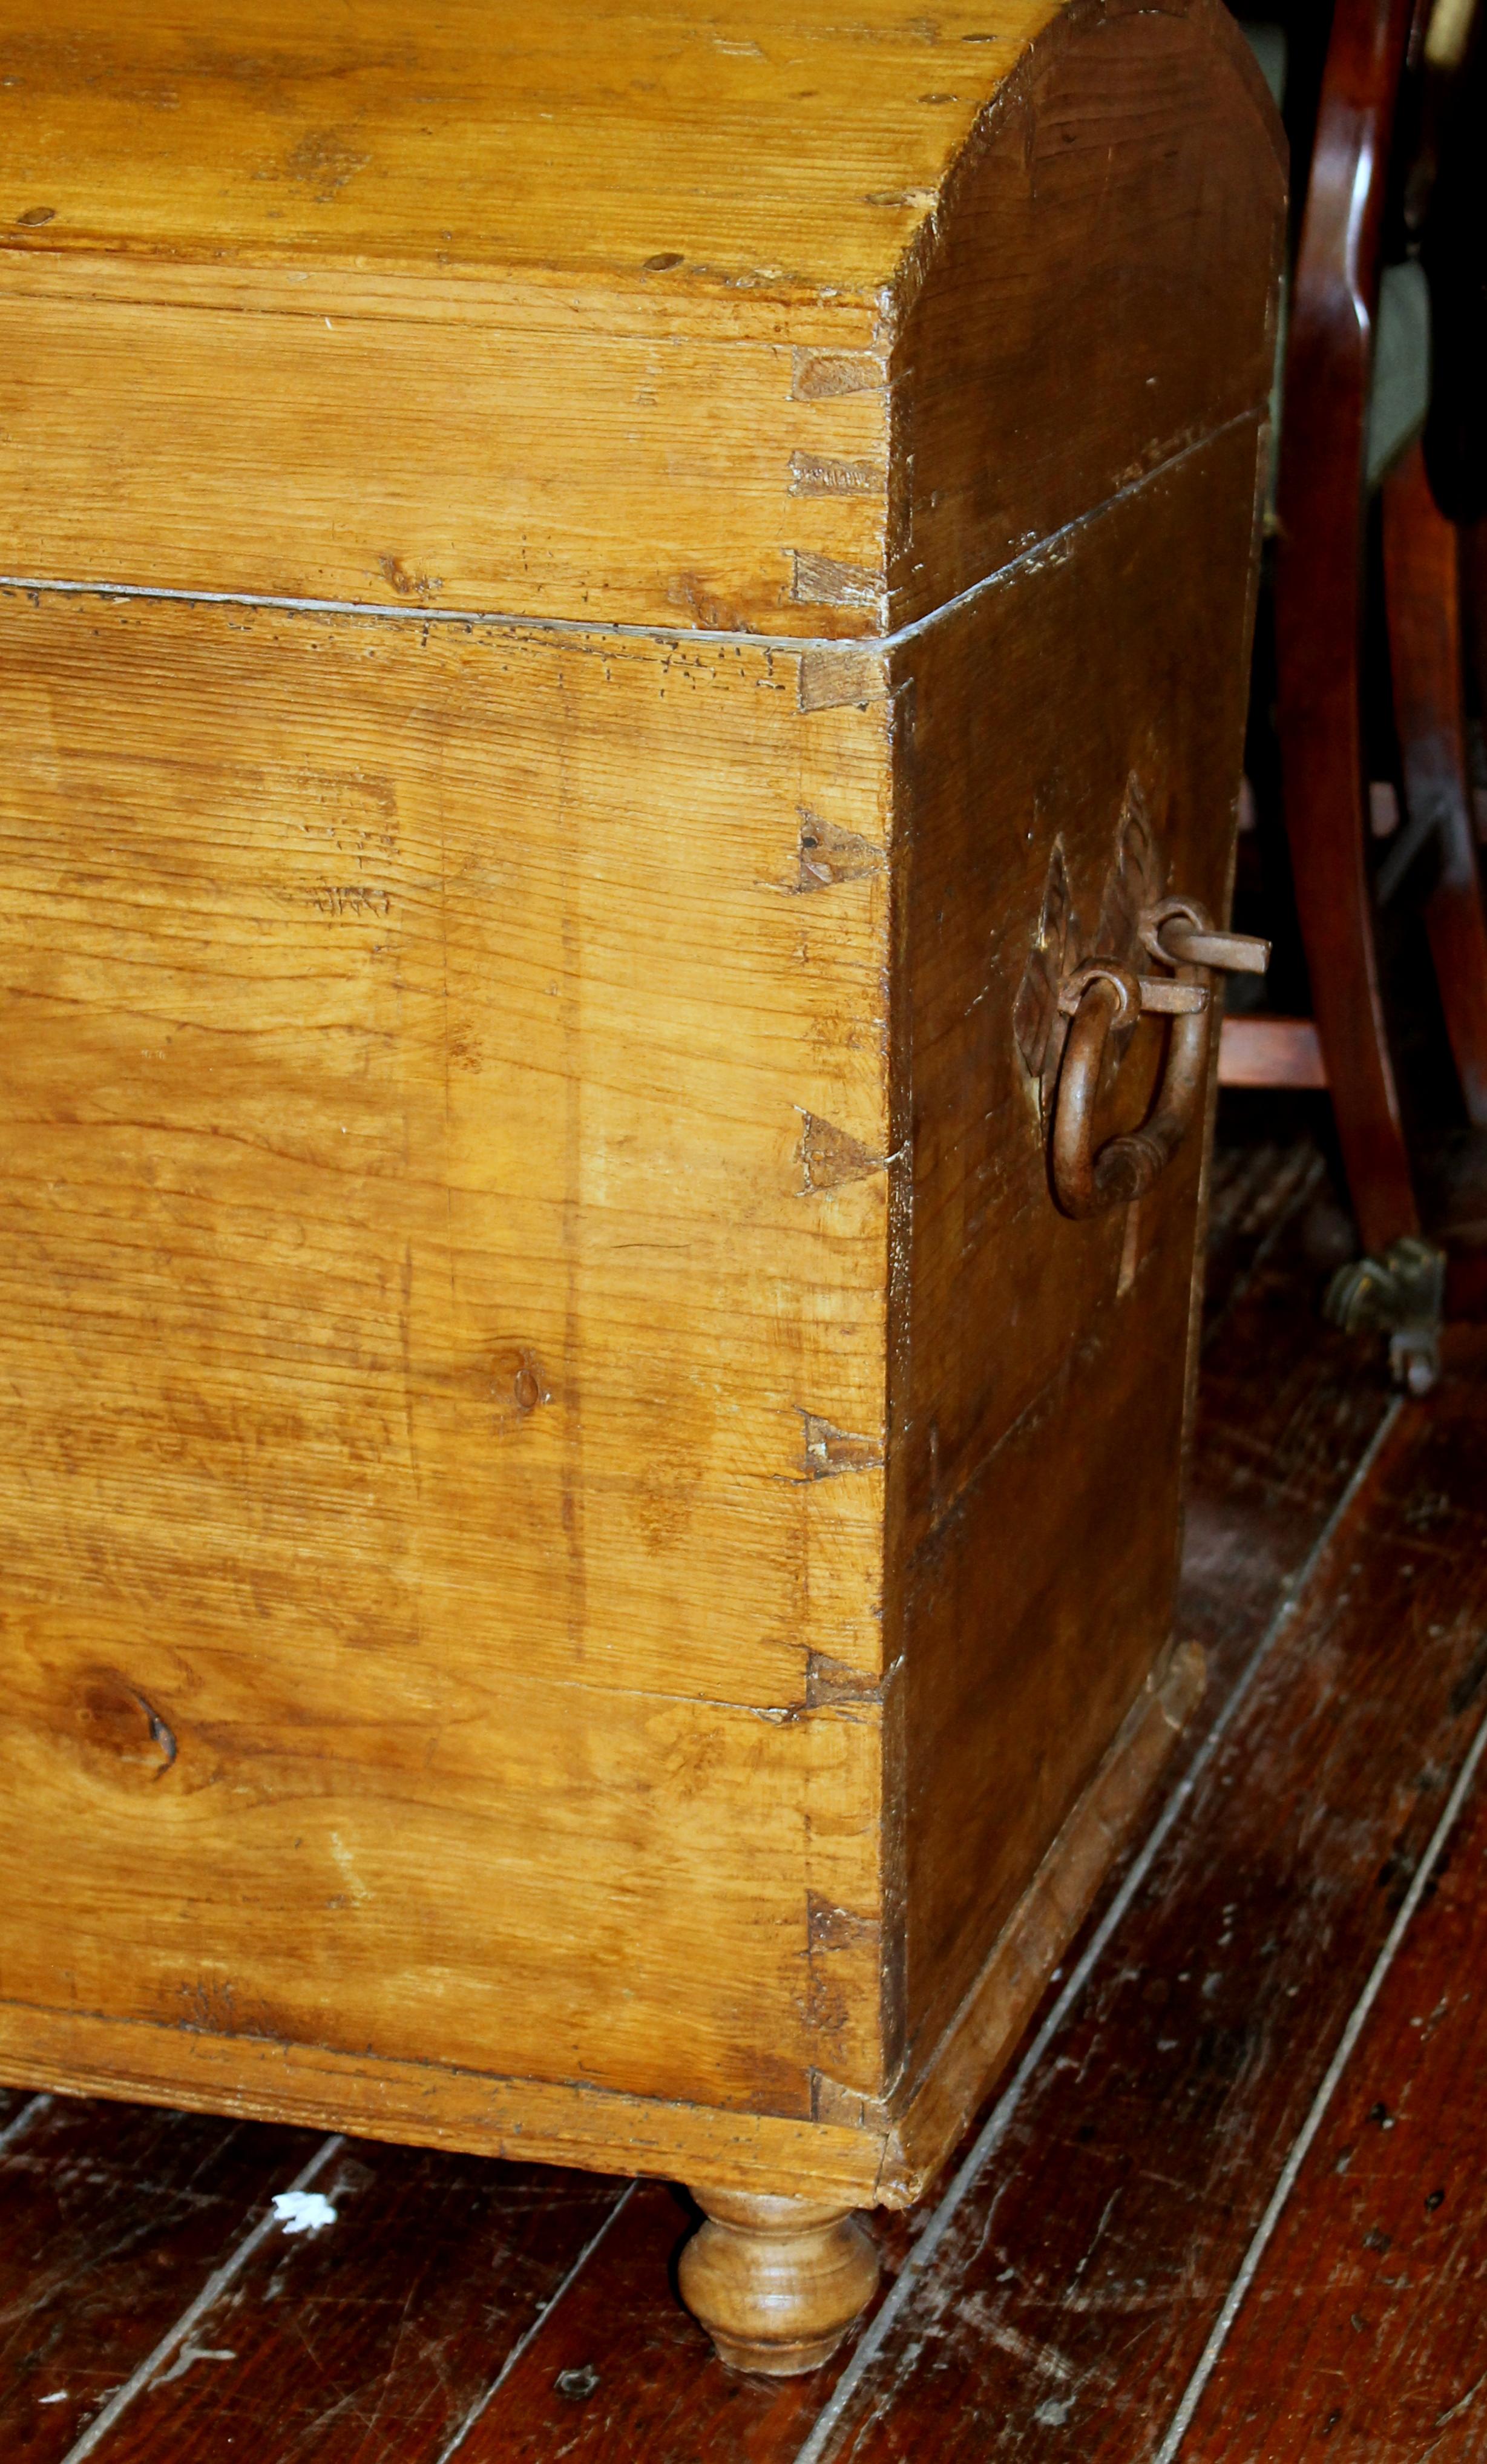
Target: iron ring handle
x,y
1087,1179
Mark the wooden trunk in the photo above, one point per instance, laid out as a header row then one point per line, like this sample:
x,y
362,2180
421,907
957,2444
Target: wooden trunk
x,y
601,608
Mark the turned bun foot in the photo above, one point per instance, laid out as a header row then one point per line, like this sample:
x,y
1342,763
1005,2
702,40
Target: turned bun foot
x,y
777,2282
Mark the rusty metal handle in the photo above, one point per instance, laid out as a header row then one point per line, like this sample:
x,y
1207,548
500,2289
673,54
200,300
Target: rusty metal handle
x,y
1087,1179
1099,997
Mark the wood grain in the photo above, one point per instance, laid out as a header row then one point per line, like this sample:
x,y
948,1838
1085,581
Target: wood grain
x,y
1363,2322
532,1304
390,1220
1082,1326
385,1279
383,2332
1318,588
1284,1418
619,2369
622,2369
374,2336
994,2014
1423,595
580,456
114,2216
553,138
623,319
1127,187
1182,2080
777,2282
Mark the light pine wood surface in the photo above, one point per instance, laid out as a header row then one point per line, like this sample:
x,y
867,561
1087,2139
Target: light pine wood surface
x,y
588,1557
795,325
440,1391
787,143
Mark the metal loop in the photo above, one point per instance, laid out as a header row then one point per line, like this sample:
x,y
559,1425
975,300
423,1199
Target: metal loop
x,y
1106,971
1086,1180
1168,911
1194,941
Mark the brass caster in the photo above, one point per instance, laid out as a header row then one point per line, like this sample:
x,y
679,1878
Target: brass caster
x,y
1403,1295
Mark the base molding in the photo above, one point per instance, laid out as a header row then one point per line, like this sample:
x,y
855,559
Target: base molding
x,y
431,2105
856,2153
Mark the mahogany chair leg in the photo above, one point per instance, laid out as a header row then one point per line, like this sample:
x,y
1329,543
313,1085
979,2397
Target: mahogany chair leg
x,y
777,2282
1319,603
1473,537
1423,596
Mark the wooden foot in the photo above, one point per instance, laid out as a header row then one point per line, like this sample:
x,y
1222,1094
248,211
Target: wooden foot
x,y
777,2282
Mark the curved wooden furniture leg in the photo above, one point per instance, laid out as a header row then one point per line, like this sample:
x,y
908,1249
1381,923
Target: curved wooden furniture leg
x,y
1421,590
1473,592
1319,600
777,2282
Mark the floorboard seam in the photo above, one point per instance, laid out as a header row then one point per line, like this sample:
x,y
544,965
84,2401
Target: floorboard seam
x,y
211,2291
820,2442
528,2336
31,2111
1249,2265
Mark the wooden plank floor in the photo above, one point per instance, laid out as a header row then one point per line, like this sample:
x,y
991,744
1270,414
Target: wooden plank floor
x,y
1227,2204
